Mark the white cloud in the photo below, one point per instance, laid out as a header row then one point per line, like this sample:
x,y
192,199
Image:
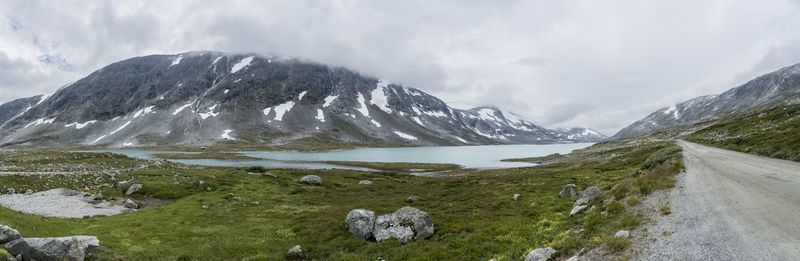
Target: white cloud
x,y
590,63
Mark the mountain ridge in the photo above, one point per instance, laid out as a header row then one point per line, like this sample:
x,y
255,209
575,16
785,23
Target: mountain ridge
x,y
775,88
205,97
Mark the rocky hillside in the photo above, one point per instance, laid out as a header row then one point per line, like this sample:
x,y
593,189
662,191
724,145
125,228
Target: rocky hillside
x,y
201,98
779,87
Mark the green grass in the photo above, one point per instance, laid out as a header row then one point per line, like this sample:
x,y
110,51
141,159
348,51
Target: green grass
x,y
773,133
474,215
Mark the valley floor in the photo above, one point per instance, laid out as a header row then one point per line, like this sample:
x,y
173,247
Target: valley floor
x,y
202,213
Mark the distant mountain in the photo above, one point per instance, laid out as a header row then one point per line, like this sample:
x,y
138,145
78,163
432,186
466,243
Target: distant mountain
x,y
776,88
201,98
16,108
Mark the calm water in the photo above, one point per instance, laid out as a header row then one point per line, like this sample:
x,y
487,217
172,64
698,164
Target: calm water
x,y
488,156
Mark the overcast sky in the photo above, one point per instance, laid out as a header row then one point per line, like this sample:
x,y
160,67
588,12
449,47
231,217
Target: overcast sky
x,y
598,64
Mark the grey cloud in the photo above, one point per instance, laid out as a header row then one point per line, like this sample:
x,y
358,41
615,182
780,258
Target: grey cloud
x,y
583,63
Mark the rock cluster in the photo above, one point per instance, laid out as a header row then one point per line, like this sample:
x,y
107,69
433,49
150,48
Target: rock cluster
x,y
583,202
74,248
405,224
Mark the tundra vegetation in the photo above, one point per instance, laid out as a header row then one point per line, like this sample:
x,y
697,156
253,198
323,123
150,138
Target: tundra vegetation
x,y
773,133
197,213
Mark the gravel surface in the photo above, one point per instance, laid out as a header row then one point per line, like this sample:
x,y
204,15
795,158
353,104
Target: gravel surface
x,y
59,203
729,206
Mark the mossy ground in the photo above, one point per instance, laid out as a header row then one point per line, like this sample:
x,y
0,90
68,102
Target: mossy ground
x,y
475,217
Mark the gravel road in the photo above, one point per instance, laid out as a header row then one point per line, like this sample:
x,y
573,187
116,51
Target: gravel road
x,y
729,206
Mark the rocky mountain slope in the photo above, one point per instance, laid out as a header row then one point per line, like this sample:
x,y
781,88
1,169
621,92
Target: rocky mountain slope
x,y
776,88
201,98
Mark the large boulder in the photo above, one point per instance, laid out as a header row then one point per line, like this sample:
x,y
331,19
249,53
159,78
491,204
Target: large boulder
x,y
568,191
587,196
311,179
73,248
133,189
8,234
405,224
541,254
360,222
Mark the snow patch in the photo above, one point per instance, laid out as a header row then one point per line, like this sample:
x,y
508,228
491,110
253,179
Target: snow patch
x,y
436,114
226,91
180,109
300,97
363,102
376,123
280,110
320,115
78,125
210,112
216,60
461,140
487,114
416,119
176,61
329,100
405,136
143,112
241,64
40,122
379,96
226,134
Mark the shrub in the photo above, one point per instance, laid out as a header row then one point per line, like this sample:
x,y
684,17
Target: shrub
x,y
661,156
616,245
633,200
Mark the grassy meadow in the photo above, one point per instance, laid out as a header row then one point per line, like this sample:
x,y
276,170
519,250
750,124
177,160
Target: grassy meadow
x,y
256,216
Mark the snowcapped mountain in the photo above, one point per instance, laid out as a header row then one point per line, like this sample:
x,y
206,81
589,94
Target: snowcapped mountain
x,y
779,87
201,98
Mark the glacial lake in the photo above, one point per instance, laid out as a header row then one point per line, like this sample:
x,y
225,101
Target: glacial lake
x,y
486,156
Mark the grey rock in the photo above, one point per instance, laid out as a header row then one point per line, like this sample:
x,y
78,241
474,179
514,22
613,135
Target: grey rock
x,y
568,191
72,248
365,182
411,199
622,234
296,252
577,209
516,197
130,204
28,191
133,189
121,184
541,254
311,179
11,191
360,222
8,234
